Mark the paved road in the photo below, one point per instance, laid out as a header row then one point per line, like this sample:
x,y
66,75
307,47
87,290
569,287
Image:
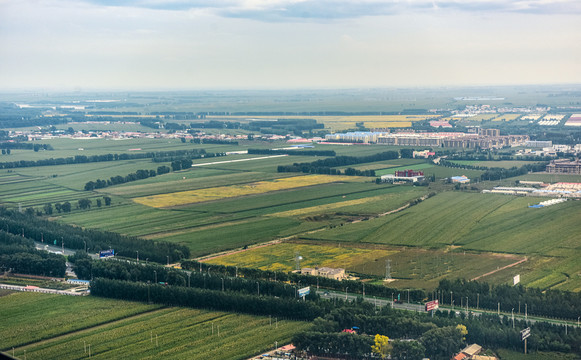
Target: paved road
x,y
380,303
59,250
238,160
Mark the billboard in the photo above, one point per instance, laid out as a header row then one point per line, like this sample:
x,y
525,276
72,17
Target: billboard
x,y
106,253
432,305
304,291
525,333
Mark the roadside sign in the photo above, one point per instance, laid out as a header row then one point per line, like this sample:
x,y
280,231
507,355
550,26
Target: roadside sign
x,y
106,253
432,305
304,291
525,333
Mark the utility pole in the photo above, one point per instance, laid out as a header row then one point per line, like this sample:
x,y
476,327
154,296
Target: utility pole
x,y
387,269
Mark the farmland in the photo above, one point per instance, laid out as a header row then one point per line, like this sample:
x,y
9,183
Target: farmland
x,y
227,205
507,117
134,330
411,267
208,194
341,123
497,224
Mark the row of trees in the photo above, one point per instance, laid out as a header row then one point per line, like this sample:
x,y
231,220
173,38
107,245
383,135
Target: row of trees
x,y
25,146
86,268
116,180
502,173
353,286
552,303
19,255
326,166
39,229
81,159
187,156
207,299
497,173
437,337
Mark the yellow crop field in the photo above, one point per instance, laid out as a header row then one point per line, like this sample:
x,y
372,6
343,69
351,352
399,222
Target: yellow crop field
x,y
340,123
323,208
222,192
281,257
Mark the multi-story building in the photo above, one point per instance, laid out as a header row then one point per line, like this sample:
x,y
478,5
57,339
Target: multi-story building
x,y
564,167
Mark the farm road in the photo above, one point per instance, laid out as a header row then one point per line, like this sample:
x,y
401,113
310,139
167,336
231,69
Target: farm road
x,y
238,160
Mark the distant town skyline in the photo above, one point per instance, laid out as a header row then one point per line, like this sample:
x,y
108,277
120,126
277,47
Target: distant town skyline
x,y
287,44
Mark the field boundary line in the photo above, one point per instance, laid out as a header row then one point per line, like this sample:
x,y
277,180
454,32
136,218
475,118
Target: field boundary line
x,y
500,269
295,236
89,328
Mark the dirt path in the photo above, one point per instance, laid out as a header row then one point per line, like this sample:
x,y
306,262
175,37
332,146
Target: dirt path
x,y
278,241
500,269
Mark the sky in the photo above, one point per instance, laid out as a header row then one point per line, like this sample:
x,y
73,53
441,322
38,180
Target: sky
x,y
287,44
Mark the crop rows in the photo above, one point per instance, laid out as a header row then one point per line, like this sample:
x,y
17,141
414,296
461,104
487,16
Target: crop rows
x,y
28,317
171,333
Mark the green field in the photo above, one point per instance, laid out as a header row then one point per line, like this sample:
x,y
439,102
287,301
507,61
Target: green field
x,y
514,355
60,327
410,267
341,212
483,223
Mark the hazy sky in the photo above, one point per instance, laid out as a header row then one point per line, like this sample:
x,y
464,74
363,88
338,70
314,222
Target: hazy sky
x,y
249,44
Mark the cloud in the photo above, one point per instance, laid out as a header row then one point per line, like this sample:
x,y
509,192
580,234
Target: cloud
x,y
293,10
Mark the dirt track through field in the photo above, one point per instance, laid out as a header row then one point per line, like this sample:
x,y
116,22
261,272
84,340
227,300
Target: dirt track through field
x,y
278,241
500,269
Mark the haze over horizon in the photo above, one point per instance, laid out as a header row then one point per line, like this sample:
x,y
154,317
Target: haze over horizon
x,y
282,44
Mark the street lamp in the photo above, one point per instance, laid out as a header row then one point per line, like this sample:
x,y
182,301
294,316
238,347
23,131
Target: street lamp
x,y
155,272
512,316
137,255
346,293
167,260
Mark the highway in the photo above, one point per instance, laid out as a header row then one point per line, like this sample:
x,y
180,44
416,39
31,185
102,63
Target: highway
x,y
380,303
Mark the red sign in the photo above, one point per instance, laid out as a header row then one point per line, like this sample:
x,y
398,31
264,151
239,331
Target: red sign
x,y
432,305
